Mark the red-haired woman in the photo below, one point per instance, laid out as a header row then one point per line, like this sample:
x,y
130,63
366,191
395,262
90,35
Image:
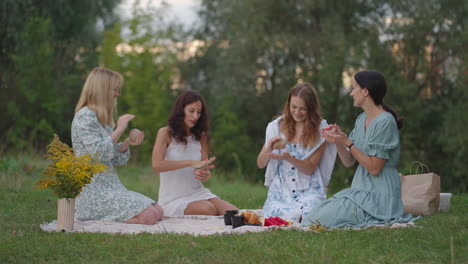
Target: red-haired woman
x,y
298,172
180,156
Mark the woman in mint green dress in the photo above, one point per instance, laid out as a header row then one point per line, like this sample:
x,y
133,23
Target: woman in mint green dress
x,y
375,194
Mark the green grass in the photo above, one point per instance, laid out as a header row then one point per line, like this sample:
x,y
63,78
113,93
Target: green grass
x,y
438,239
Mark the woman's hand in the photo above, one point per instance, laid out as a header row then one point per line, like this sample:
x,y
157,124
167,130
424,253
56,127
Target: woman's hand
x,y
267,149
136,137
122,122
202,169
335,136
204,164
271,142
282,156
341,140
202,174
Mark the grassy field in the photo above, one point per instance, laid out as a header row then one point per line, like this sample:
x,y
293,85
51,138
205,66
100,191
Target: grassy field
x,y
441,238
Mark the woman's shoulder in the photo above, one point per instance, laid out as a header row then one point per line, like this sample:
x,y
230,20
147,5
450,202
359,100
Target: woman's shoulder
x,y
361,116
85,115
85,111
275,122
385,119
164,132
204,138
385,116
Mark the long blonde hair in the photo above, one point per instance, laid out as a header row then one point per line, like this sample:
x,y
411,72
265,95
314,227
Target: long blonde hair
x,y
310,133
97,94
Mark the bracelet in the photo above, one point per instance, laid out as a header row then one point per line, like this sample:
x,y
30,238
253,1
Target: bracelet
x,y
348,148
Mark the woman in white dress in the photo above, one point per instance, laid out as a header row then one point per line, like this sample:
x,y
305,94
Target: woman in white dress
x,y
299,171
180,156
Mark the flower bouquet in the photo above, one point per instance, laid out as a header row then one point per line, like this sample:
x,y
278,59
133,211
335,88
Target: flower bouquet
x,y
66,176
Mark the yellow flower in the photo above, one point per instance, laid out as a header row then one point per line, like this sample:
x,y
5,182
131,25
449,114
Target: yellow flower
x,y
68,174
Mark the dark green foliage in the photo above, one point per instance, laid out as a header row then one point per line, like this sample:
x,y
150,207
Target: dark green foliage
x,y
256,50
46,49
251,53
148,65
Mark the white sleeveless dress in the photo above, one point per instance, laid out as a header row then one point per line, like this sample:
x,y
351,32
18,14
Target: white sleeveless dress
x,y
178,188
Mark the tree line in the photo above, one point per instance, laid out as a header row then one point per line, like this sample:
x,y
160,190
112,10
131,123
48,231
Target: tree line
x,y
243,56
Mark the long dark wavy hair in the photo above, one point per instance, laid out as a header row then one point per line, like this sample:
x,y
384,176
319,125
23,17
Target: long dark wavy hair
x,y
375,83
310,133
176,118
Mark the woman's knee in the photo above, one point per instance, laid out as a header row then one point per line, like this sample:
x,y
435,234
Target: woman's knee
x,y
159,211
211,209
201,208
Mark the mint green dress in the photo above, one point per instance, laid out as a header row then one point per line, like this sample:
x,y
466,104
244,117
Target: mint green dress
x,y
371,200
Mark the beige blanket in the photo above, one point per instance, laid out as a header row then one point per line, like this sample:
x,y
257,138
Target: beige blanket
x,y
194,225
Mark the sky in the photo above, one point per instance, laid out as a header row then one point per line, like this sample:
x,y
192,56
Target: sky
x,y
182,10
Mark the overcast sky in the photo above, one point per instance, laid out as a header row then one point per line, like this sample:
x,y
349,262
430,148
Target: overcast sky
x,y
182,10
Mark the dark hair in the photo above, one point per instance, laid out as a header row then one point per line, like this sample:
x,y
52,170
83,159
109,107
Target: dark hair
x,y
310,134
176,118
375,83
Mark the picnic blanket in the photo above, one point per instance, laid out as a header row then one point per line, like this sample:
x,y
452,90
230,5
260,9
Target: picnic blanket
x,y
190,224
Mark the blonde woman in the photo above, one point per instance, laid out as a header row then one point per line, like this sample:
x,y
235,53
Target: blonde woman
x,y
94,131
299,170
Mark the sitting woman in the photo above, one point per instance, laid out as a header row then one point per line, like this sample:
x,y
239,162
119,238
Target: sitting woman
x,y
375,194
180,156
105,198
298,170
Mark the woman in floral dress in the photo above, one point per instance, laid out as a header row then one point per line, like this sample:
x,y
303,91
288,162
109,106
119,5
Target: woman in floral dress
x,y
298,173
105,198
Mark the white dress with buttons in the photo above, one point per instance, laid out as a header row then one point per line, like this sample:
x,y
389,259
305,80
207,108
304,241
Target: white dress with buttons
x,y
292,192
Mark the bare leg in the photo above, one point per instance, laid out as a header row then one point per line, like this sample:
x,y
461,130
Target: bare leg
x,y
150,216
159,211
200,208
221,205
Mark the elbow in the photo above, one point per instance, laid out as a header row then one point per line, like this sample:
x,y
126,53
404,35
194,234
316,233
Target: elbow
x,y
261,164
312,171
349,163
375,172
156,167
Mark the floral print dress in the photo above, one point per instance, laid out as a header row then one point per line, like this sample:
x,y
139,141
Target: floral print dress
x,y
105,198
291,193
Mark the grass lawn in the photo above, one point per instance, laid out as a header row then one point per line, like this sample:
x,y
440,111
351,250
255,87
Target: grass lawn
x,y
441,238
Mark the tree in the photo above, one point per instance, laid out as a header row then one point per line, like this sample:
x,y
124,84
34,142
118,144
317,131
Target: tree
x,y
46,49
146,56
254,51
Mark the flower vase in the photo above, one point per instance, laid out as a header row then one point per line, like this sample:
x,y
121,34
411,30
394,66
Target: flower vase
x,y
65,214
